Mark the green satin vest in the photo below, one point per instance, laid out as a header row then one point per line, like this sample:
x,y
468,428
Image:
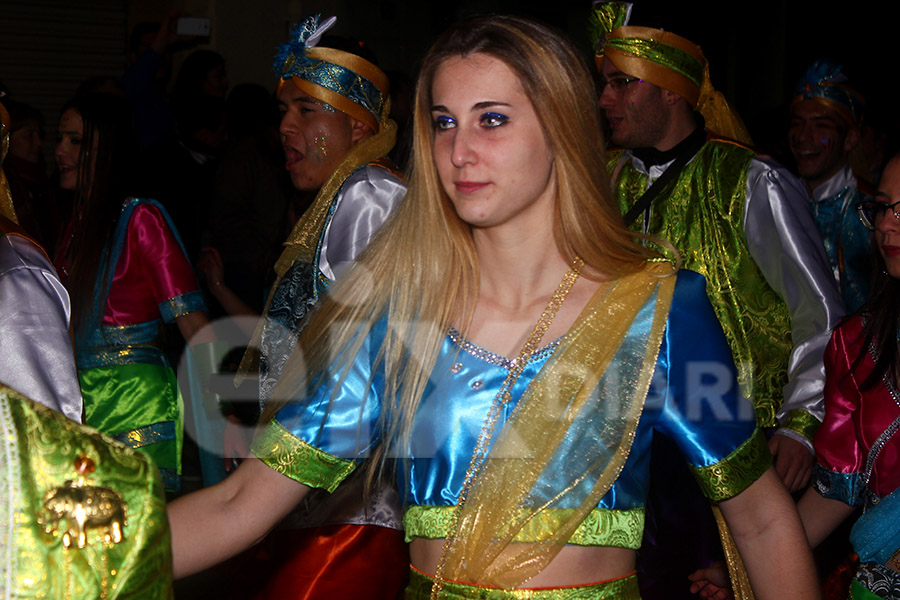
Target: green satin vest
x,y
701,214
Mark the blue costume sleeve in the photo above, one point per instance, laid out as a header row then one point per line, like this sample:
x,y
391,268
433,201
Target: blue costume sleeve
x,y
319,440
701,407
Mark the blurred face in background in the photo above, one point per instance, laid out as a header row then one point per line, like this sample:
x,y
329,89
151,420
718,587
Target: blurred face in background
x,y
820,141
25,142
68,149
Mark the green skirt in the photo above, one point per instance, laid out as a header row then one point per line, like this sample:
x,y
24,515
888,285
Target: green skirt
x,y
140,405
623,588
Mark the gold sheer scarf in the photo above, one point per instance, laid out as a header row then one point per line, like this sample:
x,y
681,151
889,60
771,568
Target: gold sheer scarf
x,y
569,436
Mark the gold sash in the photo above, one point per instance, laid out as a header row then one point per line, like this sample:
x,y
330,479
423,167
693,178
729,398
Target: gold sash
x,y
569,436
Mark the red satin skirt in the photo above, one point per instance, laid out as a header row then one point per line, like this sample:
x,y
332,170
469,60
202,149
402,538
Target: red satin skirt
x,y
333,562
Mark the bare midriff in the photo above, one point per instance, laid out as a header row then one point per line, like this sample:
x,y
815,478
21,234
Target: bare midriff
x,y
574,565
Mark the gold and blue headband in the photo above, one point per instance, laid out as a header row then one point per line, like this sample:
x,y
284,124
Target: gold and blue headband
x,y
825,83
343,80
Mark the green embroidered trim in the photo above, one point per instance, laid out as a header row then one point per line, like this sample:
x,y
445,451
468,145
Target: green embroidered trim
x,y
737,471
602,527
662,54
294,458
802,422
623,588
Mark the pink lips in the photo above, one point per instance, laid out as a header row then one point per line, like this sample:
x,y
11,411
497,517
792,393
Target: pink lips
x,y
892,251
469,187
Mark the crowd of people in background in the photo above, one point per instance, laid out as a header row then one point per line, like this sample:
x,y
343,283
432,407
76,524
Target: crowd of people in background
x,y
303,319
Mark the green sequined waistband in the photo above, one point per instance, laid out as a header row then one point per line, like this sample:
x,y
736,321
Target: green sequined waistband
x,y
623,588
601,527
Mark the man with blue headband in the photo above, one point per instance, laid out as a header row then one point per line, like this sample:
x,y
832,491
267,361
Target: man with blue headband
x,y
336,136
826,114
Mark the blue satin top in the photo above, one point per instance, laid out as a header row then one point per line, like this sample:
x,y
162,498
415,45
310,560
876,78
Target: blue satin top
x,y
693,399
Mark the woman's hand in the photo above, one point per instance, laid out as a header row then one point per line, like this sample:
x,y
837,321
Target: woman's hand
x,y
712,583
212,266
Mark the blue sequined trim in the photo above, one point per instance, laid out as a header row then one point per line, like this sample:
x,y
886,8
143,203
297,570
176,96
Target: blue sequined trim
x,y
123,335
181,305
844,487
147,435
497,359
126,355
171,480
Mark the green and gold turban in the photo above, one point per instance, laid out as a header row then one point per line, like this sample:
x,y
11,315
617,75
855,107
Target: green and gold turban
x,y
340,79
664,59
661,57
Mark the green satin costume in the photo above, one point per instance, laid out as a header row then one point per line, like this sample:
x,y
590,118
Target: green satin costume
x,y
49,462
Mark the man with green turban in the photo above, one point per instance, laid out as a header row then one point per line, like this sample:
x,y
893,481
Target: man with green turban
x,y
687,176
741,221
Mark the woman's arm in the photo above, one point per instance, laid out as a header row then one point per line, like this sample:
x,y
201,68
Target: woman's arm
x,y
214,269
821,515
770,538
194,328
217,522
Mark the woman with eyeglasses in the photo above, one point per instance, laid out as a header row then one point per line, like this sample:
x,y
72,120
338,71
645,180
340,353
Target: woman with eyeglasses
x,y
857,445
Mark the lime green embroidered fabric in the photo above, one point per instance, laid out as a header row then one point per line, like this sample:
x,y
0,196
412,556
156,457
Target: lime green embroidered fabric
x,y
802,422
294,458
602,527
737,471
56,471
701,214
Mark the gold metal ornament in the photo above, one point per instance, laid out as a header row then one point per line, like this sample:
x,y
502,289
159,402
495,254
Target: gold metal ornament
x,y
75,508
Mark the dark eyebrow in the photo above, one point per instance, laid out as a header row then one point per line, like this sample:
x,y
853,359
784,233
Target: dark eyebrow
x,y
881,196
477,106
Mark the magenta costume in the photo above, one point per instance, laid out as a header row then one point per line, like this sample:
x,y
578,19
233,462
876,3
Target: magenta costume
x,y
130,391
857,446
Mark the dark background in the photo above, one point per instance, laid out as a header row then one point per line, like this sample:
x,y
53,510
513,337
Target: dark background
x,y
756,50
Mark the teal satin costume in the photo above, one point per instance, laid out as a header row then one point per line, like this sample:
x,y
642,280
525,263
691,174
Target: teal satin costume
x,y
846,239
693,399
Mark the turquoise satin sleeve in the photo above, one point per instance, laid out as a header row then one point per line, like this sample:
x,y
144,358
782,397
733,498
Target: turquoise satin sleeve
x,y
342,420
701,408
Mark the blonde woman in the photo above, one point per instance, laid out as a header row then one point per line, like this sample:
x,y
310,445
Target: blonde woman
x,y
508,350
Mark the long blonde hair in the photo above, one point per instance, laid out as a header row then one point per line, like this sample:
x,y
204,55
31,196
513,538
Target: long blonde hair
x,y
420,275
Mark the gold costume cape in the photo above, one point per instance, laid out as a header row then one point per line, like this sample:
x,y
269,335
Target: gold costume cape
x,y
50,465
701,214
568,437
